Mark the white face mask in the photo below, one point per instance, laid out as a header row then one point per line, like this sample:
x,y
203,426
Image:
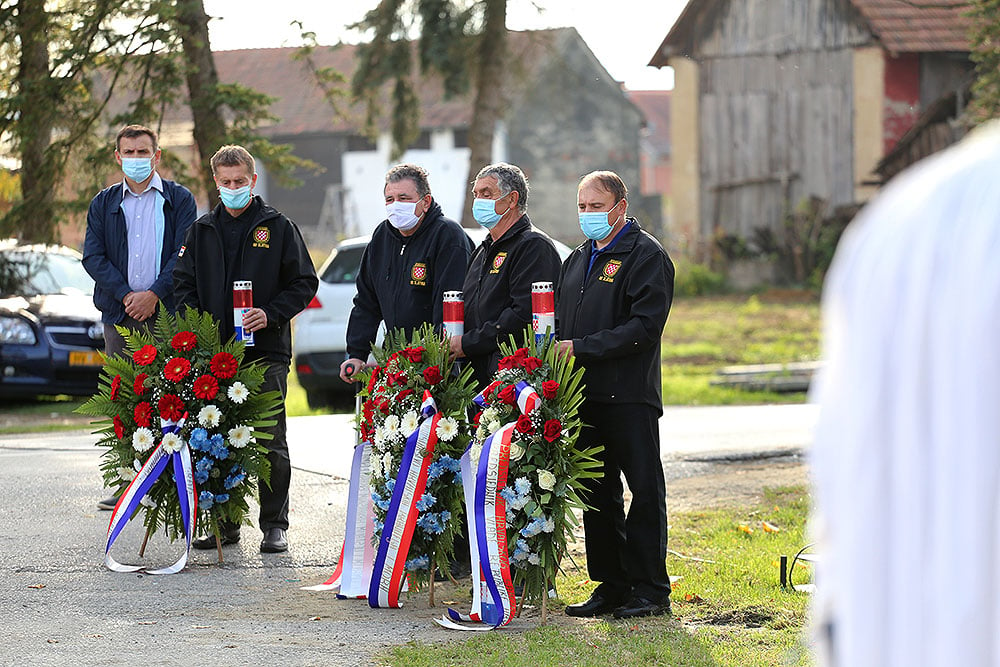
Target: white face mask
x,y
402,215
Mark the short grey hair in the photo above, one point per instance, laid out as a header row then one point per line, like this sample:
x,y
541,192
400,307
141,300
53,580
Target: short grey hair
x,y
510,178
413,172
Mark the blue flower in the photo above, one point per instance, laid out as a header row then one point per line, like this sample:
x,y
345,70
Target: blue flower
x,y
418,563
431,523
201,476
450,464
221,498
522,486
508,494
378,525
235,478
204,465
380,502
206,500
198,439
390,485
536,526
426,502
219,450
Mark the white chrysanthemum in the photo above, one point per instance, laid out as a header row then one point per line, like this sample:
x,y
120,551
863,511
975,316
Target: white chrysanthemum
x,y
391,425
142,439
209,416
147,502
534,559
376,466
549,525
171,443
411,420
516,451
387,463
238,392
379,438
477,450
481,432
489,415
240,436
546,480
126,474
447,429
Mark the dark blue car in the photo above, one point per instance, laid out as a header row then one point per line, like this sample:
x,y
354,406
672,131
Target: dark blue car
x,y
51,334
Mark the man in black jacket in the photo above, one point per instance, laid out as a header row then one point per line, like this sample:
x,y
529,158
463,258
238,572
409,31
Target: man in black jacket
x,y
415,255
612,303
497,288
245,239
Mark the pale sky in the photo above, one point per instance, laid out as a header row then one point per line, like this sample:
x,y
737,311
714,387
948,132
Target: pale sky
x,y
623,34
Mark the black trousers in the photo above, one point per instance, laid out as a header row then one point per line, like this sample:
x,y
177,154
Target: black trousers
x,y
626,554
274,498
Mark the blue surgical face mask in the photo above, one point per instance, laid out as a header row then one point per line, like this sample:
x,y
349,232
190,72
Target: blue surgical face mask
x,y
595,224
235,199
485,212
137,168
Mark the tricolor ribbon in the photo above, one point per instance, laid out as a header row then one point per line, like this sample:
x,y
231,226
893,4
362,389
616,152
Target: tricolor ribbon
x,y
352,576
527,398
389,569
140,486
483,398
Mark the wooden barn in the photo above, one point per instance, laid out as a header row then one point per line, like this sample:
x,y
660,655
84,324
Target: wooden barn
x,y
781,102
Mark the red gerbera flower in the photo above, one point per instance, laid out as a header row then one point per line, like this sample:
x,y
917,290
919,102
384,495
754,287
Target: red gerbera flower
x,y
145,355
432,375
116,384
171,407
223,365
206,387
139,386
176,369
184,341
550,388
119,427
143,414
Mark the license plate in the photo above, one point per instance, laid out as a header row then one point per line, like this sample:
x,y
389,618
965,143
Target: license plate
x,y
88,358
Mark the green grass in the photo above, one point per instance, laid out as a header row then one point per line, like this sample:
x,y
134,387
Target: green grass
x,y
706,333
728,612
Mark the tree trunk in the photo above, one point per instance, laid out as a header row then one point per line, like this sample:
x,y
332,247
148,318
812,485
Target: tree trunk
x,y
488,105
203,82
34,218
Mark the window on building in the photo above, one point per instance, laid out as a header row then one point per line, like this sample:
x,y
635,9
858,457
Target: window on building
x,y
359,142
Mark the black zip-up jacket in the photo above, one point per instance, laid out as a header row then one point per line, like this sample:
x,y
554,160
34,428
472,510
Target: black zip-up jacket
x,y
271,253
497,291
402,278
615,316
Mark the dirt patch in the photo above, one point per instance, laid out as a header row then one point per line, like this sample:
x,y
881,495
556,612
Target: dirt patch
x,y
733,484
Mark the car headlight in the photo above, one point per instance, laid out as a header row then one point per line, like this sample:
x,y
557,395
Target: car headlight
x,y
16,331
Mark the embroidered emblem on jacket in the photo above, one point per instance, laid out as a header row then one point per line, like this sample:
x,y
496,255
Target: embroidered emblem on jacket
x,y
418,275
610,269
498,262
261,237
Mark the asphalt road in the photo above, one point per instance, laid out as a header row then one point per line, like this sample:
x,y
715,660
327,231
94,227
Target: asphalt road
x,y
61,606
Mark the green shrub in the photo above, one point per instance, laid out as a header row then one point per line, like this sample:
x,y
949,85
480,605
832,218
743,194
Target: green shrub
x,y
696,279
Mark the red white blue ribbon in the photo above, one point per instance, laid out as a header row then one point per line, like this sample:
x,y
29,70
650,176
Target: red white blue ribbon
x,y
389,569
353,574
140,486
528,399
482,399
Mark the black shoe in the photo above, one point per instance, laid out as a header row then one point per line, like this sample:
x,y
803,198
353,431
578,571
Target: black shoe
x,y
275,541
108,503
597,605
637,607
226,537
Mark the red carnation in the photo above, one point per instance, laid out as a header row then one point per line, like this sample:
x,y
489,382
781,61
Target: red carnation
x,y
171,407
119,427
145,355
143,413
139,386
223,365
206,387
115,385
184,341
403,394
524,424
176,369
553,429
414,354
531,364
384,407
432,375
507,395
373,379
550,388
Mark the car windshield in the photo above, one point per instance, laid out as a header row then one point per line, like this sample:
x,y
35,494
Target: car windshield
x,y
33,273
343,266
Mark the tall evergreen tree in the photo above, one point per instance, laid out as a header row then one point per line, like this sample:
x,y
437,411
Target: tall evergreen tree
x,y
986,54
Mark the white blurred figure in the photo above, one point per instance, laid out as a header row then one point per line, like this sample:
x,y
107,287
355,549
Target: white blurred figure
x,y
906,460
